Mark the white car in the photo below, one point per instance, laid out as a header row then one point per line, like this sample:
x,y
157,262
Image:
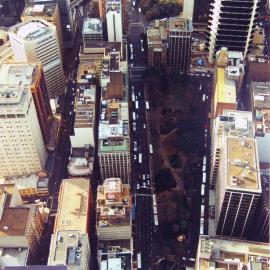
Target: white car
x,y
143,176
144,126
135,157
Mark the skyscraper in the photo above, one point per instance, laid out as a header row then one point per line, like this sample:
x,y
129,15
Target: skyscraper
x,y
238,187
231,25
114,20
31,74
22,150
36,41
48,12
179,36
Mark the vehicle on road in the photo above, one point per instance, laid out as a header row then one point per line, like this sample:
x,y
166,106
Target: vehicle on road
x,y
147,105
140,157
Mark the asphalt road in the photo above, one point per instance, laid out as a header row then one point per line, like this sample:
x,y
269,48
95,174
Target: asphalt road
x,y
142,184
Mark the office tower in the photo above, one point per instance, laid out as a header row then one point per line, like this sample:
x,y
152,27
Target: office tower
x,y
10,12
157,45
229,123
201,13
113,141
114,215
92,30
84,129
231,25
48,12
102,8
22,148
31,74
70,242
36,41
238,187
261,218
66,19
179,36
114,20
228,253
21,227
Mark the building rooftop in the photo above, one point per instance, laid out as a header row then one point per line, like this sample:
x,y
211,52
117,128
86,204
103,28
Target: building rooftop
x,y
73,207
180,24
113,203
14,99
113,126
40,10
85,107
31,29
14,221
13,256
223,253
261,106
19,72
92,26
242,164
69,247
237,123
87,73
226,88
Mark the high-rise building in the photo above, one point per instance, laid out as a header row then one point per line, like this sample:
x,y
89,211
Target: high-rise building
x,y
228,253
238,187
157,45
22,149
66,19
31,74
114,20
179,44
48,12
229,123
36,41
70,242
114,215
92,30
260,96
231,25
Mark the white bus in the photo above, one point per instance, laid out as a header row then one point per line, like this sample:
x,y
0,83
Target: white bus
x,y
202,210
133,97
147,105
140,157
136,104
203,190
154,200
150,148
204,160
155,220
204,177
202,226
139,261
134,116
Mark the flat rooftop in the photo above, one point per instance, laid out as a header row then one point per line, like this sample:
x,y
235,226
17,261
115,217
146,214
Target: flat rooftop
x,y
31,29
14,221
43,10
85,107
14,99
226,88
222,253
65,247
87,73
180,24
73,207
242,164
113,126
237,123
13,256
17,72
92,26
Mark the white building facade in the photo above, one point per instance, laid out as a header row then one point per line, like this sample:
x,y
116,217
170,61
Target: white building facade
x,y
36,41
22,150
